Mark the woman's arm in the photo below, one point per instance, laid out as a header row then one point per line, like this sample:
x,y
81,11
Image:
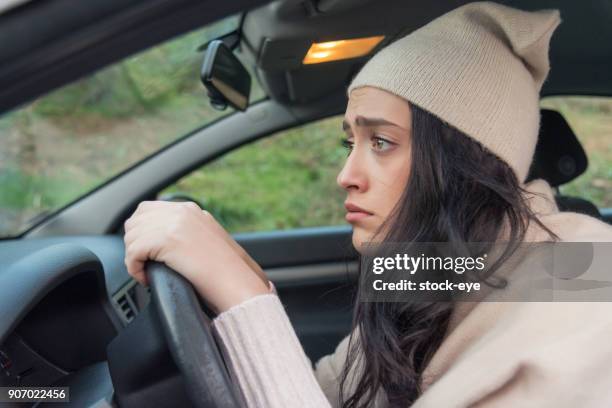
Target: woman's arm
x,y
267,357
271,365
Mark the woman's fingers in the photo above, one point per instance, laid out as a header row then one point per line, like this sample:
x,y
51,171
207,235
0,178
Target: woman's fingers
x,y
143,244
194,244
143,223
135,264
151,217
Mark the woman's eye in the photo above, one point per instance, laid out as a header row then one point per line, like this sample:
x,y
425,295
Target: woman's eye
x,y
381,145
347,144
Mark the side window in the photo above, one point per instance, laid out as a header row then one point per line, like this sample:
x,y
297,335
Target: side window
x,y
591,120
284,181
71,140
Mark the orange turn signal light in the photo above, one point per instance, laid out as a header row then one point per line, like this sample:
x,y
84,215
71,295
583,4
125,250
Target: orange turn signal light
x,y
341,49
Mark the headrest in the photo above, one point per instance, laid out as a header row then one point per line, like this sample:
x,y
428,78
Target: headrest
x,y
559,158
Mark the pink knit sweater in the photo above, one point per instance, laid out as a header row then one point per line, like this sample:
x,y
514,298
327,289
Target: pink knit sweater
x,y
494,354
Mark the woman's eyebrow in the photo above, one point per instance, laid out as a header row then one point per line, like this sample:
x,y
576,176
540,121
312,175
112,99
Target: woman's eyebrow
x,y
363,121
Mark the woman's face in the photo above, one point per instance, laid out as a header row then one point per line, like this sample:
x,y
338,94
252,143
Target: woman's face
x,y
377,126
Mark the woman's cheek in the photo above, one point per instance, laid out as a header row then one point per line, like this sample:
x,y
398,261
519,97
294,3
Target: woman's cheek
x,y
391,169
391,180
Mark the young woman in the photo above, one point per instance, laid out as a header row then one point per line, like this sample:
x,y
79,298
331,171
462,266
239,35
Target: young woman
x,y
440,129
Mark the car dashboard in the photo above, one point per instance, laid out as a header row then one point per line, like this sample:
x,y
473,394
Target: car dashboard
x,y
56,322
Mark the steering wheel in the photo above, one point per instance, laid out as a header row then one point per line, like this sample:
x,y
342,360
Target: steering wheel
x,y
167,356
188,335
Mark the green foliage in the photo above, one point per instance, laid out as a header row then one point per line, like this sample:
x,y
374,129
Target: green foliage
x,y
36,192
284,181
142,83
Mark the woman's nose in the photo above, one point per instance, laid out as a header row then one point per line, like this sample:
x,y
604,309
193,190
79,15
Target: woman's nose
x,y
352,175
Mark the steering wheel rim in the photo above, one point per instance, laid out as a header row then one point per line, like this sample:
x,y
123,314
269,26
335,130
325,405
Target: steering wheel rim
x,y
188,334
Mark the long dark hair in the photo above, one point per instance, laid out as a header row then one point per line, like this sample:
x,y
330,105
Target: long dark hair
x,y
458,191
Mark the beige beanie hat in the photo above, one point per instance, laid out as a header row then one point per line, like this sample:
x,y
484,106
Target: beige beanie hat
x,y
479,68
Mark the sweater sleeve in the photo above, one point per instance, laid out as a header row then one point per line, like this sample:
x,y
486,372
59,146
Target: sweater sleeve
x,y
266,355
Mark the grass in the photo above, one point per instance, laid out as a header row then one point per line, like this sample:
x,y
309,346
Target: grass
x,y
284,181
67,142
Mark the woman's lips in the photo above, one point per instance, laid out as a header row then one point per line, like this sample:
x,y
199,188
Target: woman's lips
x,y
355,213
353,216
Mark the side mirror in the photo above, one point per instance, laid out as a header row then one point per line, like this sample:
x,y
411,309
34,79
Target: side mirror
x,y
225,78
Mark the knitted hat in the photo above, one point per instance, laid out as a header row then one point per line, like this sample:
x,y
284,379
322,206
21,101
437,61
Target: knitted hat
x,y
479,68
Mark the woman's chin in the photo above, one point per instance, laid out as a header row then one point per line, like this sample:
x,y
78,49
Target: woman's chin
x,y
360,238
363,237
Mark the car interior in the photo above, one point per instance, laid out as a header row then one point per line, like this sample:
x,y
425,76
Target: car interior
x,y
71,315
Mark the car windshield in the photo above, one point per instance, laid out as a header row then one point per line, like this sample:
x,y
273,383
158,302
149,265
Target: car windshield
x,y
66,143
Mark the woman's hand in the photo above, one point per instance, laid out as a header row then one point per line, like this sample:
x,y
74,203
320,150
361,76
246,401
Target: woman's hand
x,y
190,241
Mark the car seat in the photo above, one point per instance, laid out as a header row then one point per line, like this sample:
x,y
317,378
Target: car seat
x,y
559,158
